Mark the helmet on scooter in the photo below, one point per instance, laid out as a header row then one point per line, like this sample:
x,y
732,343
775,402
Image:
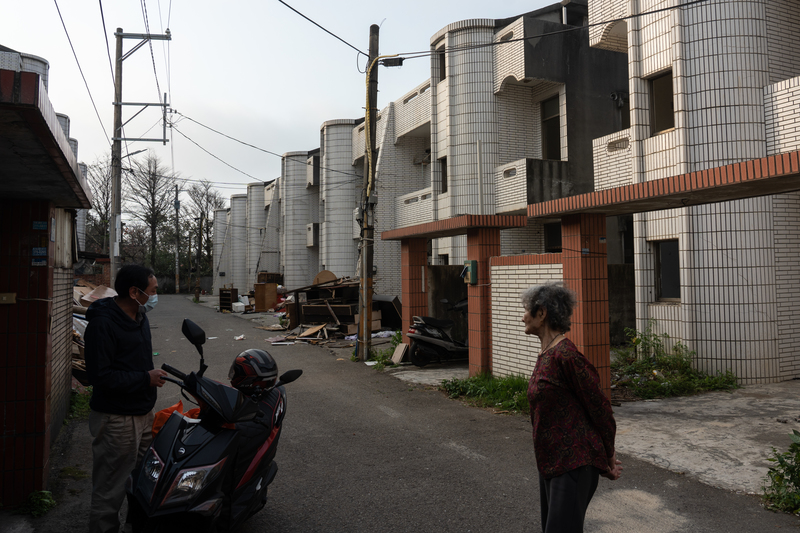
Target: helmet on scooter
x,y
253,368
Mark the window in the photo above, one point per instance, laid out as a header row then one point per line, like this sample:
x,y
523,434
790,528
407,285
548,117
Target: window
x,y
443,173
668,277
662,107
442,64
552,238
551,130
444,259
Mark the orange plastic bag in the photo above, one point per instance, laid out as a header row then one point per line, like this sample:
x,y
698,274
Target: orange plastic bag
x,y
162,416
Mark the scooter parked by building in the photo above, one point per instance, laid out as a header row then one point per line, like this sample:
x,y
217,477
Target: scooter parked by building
x,y
209,470
432,338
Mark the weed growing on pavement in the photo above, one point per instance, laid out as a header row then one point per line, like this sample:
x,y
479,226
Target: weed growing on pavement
x,y
79,404
782,484
648,369
508,393
38,504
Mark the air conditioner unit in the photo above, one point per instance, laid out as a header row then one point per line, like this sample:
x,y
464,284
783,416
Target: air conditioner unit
x,y
312,235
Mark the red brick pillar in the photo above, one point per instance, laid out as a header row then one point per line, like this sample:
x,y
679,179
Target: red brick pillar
x,y
482,244
583,242
414,259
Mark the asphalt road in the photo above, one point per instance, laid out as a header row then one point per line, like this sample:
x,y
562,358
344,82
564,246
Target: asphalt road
x,y
364,451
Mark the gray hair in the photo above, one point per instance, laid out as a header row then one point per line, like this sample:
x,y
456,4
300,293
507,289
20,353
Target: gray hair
x,y
556,299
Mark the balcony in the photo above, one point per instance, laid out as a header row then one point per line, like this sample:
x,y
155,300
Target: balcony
x,y
529,181
414,208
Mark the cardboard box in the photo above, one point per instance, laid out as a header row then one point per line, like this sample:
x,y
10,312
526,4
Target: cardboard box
x,y
237,307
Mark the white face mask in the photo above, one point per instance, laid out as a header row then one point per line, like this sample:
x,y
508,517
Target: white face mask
x,y
150,303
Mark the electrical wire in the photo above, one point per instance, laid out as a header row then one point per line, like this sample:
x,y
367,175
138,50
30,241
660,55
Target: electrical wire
x,y
322,28
259,148
215,157
81,71
428,53
150,43
108,48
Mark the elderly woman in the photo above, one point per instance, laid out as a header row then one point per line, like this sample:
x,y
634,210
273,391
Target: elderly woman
x,y
573,426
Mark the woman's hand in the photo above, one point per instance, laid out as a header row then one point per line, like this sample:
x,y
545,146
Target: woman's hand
x,y
614,468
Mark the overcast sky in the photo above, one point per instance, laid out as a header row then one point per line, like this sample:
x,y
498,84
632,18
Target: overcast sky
x,y
254,70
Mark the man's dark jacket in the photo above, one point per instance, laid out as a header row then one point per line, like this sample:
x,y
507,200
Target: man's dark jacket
x,y
119,354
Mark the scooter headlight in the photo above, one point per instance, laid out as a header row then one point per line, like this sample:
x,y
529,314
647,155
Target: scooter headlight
x,y
152,466
190,481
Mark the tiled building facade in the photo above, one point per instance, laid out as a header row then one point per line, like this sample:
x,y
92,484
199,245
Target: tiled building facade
x,y
710,84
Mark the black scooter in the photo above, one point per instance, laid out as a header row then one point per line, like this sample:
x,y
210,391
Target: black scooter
x,y
432,339
210,473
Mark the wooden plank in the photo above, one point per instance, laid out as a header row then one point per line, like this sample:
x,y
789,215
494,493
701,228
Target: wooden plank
x,y
311,331
333,315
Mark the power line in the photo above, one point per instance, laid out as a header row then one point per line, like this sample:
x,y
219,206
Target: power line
x,y
150,43
108,47
215,157
322,28
259,148
427,53
81,71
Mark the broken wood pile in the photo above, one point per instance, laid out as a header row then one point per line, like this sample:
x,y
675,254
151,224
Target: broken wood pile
x,y
84,293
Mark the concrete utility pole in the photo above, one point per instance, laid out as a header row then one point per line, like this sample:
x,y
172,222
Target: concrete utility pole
x,y
115,225
116,165
177,241
367,201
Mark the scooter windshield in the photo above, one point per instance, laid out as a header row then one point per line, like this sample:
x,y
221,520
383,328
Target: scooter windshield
x,y
229,403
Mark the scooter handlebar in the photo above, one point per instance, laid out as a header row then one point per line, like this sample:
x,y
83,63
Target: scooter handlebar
x,y
173,371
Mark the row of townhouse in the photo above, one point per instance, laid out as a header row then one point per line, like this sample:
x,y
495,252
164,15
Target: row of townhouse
x,y
559,103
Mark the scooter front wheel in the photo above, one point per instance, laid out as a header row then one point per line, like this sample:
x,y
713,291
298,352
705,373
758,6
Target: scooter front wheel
x,y
417,355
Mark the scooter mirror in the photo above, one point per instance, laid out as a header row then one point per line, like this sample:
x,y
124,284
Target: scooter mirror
x,y
194,333
289,376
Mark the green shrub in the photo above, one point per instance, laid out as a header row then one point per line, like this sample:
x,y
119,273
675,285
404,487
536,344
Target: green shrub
x,y
782,488
509,393
38,504
79,404
649,370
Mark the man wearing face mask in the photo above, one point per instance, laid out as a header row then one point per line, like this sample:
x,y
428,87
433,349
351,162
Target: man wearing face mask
x,y
119,362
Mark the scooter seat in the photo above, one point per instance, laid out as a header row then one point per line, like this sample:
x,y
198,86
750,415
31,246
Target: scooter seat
x,y
435,322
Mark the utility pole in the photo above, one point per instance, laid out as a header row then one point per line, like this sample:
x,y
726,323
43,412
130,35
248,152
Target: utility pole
x,y
367,202
115,224
177,243
116,165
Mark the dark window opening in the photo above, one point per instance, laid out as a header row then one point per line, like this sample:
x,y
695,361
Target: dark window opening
x,y
443,172
668,277
442,64
662,107
552,238
551,130
444,259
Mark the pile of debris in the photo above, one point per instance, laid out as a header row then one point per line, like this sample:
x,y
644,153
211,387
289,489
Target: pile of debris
x,y
83,294
328,311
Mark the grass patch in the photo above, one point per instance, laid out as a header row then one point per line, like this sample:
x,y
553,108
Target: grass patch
x,y
79,404
648,369
39,503
782,485
384,357
508,393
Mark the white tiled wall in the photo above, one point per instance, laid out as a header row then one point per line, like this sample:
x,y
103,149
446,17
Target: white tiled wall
x,y
238,249
513,352
295,212
271,252
519,241
256,232
341,185
221,249
612,160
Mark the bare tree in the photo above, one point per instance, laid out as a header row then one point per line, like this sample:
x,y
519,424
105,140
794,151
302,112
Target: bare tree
x,y
150,198
204,199
98,217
